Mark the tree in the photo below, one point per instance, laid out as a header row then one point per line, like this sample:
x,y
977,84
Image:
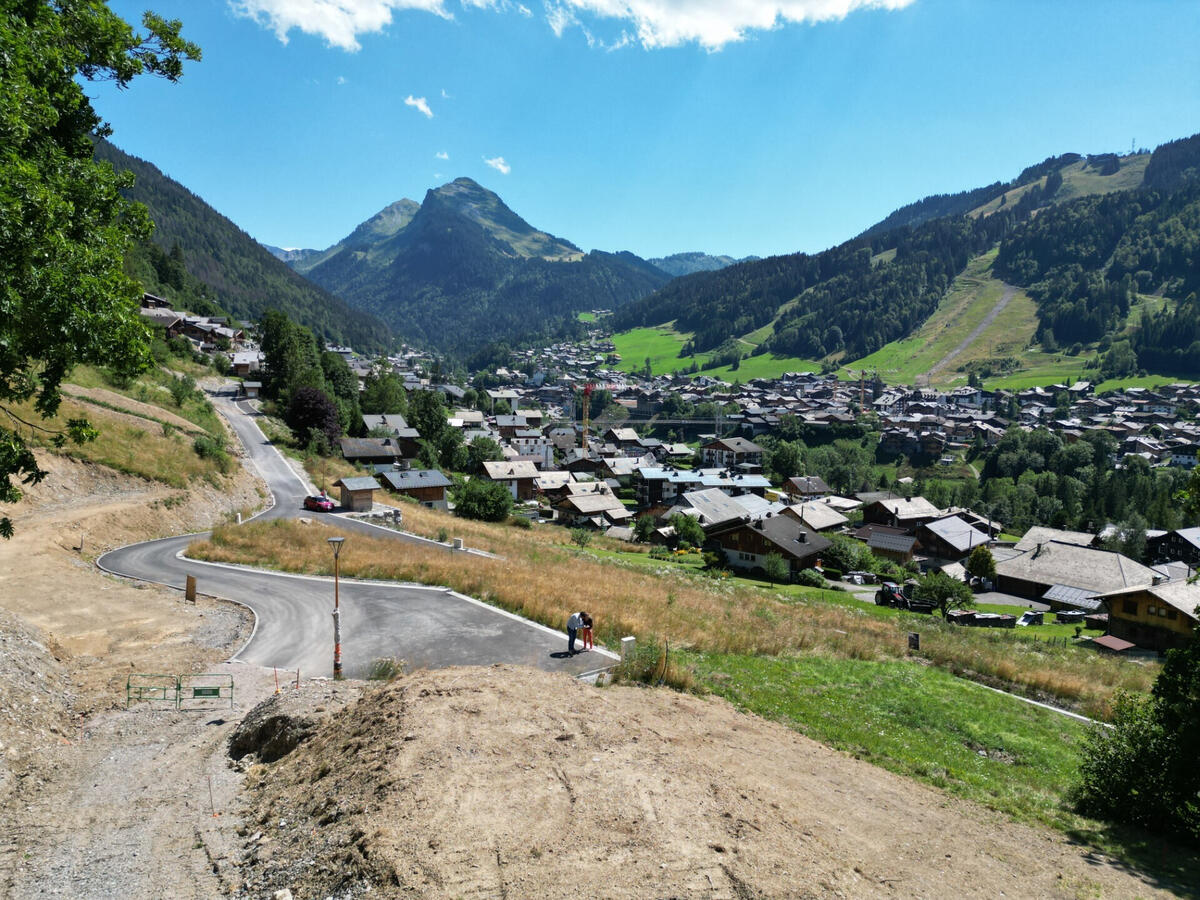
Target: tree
x,y
580,537
943,592
489,501
643,528
64,227
1143,770
776,568
311,411
480,450
981,563
687,529
427,414
383,392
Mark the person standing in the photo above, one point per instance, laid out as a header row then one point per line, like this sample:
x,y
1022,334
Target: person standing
x,y
574,623
585,633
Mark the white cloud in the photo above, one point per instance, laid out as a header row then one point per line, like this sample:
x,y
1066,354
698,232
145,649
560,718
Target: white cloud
x,y
441,154
655,23
419,104
710,23
341,79
498,163
446,96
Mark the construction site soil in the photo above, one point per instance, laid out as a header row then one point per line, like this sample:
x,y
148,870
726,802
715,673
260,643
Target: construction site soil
x,y
485,782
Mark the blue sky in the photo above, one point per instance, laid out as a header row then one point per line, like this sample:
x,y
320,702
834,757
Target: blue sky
x,y
655,126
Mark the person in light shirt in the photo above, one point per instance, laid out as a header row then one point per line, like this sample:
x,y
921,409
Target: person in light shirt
x,y
574,623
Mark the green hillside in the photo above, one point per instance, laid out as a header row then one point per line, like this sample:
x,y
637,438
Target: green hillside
x,y
226,267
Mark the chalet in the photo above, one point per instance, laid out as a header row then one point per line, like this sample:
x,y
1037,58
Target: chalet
x,y
246,362
1182,545
508,426
901,512
729,453
1156,617
518,477
950,538
747,544
806,487
891,543
816,515
370,450
250,390
598,509
660,487
1068,575
168,322
357,494
426,486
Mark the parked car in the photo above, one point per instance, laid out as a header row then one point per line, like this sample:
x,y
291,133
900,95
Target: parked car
x,y
1030,617
318,504
860,577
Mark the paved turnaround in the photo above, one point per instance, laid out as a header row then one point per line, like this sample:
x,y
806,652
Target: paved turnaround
x,y
426,627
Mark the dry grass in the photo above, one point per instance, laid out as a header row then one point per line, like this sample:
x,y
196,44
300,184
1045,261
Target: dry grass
x,y
126,443
543,578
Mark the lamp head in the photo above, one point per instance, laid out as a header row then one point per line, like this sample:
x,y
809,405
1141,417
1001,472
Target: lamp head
x,y
336,544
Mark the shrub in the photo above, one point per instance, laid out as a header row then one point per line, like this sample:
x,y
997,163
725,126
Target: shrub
x,y
810,578
1143,771
386,669
488,501
833,574
210,448
581,537
651,662
519,522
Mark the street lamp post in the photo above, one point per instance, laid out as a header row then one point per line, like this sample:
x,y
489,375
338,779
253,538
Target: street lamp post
x,y
336,544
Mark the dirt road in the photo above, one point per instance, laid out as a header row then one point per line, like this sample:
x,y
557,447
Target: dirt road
x,y
979,329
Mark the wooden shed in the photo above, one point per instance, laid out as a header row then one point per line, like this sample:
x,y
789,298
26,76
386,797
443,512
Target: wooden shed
x,y
358,494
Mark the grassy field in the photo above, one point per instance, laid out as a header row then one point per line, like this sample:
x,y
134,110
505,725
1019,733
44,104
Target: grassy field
x,y
964,307
661,343
587,317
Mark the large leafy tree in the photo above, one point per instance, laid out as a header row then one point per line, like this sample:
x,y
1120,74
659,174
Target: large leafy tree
x,y
64,227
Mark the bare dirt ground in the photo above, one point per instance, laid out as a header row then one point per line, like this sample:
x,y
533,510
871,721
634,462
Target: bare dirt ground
x,y
508,782
131,406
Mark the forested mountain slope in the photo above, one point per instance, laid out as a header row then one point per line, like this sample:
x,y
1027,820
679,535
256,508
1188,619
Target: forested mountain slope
x,y
231,269
1070,229
464,270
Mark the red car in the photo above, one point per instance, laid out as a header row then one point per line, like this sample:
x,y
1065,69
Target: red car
x,y
320,504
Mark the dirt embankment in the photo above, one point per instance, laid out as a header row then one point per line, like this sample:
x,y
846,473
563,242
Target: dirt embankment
x,y
507,782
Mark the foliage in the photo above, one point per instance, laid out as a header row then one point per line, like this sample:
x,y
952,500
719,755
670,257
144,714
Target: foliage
x,y
981,563
480,450
580,537
776,568
687,529
486,500
811,578
310,412
1143,771
383,392
427,414
64,227
643,528
210,448
182,388
943,592
848,555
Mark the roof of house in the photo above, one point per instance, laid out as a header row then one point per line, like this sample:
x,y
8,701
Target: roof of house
x,y
819,516
896,543
361,483
736,444
1057,562
358,448
411,479
905,508
806,484
958,534
590,503
1040,535
393,422
504,470
714,506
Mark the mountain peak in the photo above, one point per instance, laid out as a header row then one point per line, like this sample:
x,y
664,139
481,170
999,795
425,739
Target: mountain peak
x,y
471,200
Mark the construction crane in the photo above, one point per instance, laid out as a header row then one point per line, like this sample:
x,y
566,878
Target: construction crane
x,y
587,402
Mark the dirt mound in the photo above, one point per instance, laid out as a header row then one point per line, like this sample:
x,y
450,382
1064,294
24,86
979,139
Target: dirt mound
x,y
513,782
35,702
279,724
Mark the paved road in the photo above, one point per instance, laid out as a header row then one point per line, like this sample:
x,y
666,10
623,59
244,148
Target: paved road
x,y
425,626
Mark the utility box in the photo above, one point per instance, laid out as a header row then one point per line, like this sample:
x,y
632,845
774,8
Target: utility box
x,y
189,590
627,647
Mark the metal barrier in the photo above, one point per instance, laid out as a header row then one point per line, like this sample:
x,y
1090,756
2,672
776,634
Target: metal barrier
x,y
153,689
185,692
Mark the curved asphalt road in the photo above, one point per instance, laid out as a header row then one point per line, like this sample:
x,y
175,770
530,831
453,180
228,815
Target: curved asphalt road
x,y
427,627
